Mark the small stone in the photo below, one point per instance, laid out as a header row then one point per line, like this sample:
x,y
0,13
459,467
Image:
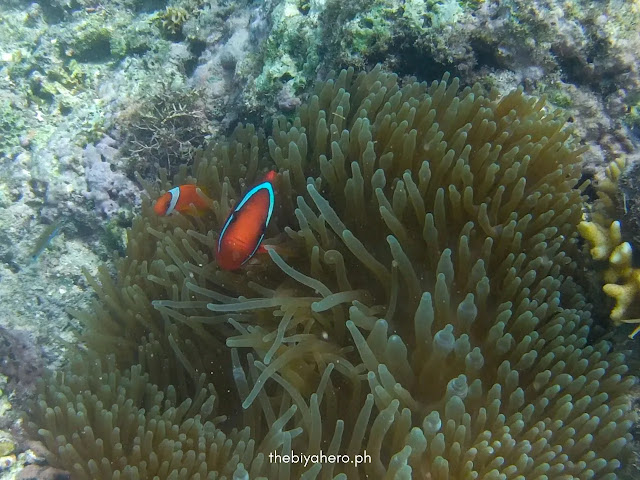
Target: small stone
x,y
36,452
228,61
34,472
7,445
6,462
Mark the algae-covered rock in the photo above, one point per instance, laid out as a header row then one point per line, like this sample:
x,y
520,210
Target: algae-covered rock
x,y
90,40
7,445
291,50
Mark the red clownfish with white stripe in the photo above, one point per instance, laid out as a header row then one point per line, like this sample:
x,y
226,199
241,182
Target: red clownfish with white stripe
x,y
243,231
179,199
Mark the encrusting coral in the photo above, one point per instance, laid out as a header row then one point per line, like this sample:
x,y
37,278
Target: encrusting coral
x,y
621,278
416,303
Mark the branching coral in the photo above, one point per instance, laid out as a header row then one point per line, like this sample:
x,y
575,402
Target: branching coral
x,y
164,128
172,19
622,279
416,302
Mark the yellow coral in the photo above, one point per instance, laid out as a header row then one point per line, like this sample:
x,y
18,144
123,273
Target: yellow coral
x,y
609,185
622,281
172,19
602,239
623,294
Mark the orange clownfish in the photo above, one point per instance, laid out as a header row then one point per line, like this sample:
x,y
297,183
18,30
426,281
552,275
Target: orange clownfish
x,y
178,199
244,228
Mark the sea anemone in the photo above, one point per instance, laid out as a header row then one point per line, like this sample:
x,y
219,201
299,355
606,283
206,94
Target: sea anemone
x,y
417,303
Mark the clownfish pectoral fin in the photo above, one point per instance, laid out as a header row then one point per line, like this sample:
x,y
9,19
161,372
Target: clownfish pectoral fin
x,y
194,211
281,250
284,250
206,201
199,203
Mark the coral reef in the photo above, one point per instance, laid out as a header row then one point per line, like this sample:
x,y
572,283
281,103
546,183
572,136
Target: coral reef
x,y
21,363
164,128
12,124
107,187
7,442
71,70
582,54
604,234
172,19
627,201
417,301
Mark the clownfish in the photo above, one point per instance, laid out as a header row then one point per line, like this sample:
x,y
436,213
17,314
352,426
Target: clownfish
x,y
178,199
243,231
